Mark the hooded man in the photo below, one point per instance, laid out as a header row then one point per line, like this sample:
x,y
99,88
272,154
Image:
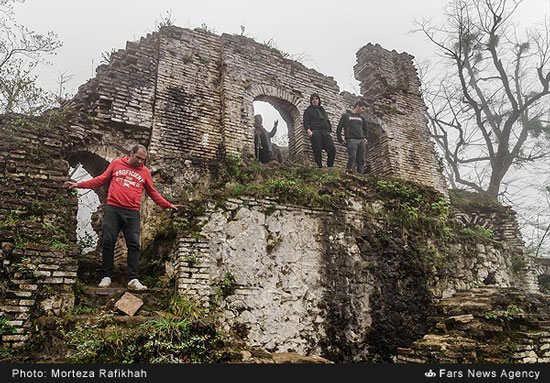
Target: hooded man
x,y
355,135
318,129
127,177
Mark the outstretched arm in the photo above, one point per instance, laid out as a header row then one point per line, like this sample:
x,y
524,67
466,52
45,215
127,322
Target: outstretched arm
x,y
94,182
274,130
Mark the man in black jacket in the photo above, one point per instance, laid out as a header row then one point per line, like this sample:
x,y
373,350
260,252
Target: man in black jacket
x,y
355,135
318,129
262,139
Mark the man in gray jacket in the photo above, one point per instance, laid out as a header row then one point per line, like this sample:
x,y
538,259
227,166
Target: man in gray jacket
x,y
355,135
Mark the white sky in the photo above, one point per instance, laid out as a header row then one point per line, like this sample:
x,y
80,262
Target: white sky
x,y
326,33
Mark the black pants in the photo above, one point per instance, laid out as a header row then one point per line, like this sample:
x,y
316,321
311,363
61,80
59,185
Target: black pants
x,y
115,219
322,140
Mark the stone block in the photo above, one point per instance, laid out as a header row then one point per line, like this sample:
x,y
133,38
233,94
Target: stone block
x,y
12,338
129,304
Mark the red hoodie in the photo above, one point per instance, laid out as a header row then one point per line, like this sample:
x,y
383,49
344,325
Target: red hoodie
x,y
126,185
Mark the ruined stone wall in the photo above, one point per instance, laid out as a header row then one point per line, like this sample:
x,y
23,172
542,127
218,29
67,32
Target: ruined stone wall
x,y
37,225
502,222
400,143
322,282
253,71
188,96
115,109
190,93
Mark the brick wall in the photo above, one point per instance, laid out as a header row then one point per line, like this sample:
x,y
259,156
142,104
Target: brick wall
x,y
401,144
37,224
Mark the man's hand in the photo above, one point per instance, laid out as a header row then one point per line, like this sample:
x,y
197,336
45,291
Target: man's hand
x,y
309,133
176,207
69,184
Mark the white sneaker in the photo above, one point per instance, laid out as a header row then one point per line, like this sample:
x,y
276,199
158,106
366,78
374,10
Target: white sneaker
x,y
136,285
105,282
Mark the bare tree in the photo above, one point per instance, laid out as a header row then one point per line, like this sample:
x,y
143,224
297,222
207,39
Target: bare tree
x,y
489,111
21,50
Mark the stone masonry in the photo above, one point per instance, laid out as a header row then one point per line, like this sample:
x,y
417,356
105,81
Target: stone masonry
x,y
37,225
188,94
293,269
400,144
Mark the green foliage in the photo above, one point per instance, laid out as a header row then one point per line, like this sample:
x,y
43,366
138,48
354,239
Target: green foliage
x,y
5,353
414,206
81,310
22,51
186,335
59,246
8,222
192,259
467,200
518,263
303,186
85,342
476,234
227,285
507,315
5,327
184,221
26,266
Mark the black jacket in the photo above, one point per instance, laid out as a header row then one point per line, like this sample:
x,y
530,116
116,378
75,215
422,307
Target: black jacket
x,y
354,126
315,117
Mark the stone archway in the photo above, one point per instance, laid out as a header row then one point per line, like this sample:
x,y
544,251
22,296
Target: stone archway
x,y
287,104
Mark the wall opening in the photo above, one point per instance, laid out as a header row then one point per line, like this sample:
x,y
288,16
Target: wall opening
x,y
88,202
286,139
84,166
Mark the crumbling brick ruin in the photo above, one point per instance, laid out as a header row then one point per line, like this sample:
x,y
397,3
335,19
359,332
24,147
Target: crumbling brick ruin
x,y
188,96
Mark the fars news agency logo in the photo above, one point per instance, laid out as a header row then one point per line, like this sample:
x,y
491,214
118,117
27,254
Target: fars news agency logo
x,y
430,374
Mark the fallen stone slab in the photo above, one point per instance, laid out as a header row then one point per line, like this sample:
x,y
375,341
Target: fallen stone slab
x,y
129,304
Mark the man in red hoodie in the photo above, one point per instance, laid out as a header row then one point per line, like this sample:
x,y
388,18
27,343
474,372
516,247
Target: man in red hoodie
x,y
127,177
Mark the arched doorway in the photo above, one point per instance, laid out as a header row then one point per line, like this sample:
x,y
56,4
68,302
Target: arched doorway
x,y
288,137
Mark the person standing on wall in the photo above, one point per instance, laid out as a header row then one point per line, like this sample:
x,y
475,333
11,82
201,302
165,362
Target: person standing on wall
x,y
355,135
318,129
127,177
262,139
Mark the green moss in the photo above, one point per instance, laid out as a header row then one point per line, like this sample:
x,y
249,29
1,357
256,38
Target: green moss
x,y
518,263
466,200
5,327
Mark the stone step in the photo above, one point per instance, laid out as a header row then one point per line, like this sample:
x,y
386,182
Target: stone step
x,y
105,298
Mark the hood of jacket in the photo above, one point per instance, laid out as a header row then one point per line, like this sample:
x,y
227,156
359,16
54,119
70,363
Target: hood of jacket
x,y
311,98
